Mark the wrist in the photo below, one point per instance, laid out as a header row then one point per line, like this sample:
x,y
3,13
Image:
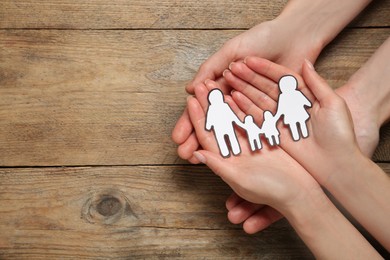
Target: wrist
x,y
369,85
306,208
321,20
326,231
348,175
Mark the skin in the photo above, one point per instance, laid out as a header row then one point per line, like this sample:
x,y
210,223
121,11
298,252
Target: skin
x,y
368,83
268,40
288,188
354,180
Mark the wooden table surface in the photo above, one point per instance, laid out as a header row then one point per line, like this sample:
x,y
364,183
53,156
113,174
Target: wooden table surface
x,y
89,94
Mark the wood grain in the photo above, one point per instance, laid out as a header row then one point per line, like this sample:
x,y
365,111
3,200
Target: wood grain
x,y
382,152
113,97
127,212
101,84
100,14
187,14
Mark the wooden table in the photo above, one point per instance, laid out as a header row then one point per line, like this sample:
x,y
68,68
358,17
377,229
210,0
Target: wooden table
x,y
89,94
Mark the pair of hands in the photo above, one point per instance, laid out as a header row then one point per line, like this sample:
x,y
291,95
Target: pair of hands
x,y
274,180
265,40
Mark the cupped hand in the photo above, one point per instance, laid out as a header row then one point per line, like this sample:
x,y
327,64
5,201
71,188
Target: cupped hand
x,y
258,177
267,40
256,83
330,126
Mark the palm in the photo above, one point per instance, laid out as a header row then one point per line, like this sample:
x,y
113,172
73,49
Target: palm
x,y
256,169
266,40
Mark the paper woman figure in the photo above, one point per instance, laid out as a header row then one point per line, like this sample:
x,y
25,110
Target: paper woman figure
x,y
292,105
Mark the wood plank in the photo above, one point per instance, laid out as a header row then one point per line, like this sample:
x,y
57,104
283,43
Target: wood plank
x,y
100,14
128,212
376,14
382,152
113,97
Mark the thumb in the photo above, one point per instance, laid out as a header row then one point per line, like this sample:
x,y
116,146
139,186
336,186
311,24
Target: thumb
x,y
216,163
212,68
321,90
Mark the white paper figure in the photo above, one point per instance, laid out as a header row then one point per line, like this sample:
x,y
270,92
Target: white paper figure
x,y
221,118
269,128
253,132
292,104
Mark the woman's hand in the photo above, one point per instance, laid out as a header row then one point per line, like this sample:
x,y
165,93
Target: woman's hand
x,y
268,177
267,40
275,181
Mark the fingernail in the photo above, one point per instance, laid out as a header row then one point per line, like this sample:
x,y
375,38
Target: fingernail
x,y
230,65
200,157
231,92
206,81
309,64
225,71
188,98
245,59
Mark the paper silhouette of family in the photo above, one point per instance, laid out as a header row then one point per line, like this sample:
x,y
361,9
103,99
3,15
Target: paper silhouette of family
x,y
291,105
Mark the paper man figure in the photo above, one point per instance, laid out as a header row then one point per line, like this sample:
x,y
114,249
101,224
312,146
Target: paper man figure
x,y
269,128
221,117
292,104
253,132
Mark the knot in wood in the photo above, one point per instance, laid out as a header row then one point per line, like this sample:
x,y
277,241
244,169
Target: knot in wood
x,y
106,207
109,206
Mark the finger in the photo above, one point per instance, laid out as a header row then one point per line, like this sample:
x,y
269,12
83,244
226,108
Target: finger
x,y
217,164
194,160
249,108
223,85
261,220
257,97
233,201
318,86
275,71
201,94
187,149
268,68
212,68
240,114
243,211
182,129
197,115
253,80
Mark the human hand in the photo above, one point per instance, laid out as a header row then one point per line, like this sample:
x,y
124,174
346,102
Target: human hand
x,y
265,40
273,178
261,92
281,184
257,78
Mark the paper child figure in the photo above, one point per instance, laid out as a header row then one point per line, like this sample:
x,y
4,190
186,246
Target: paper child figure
x,y
292,104
253,132
269,128
221,117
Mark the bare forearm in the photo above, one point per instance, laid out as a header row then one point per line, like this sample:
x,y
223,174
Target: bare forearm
x,y
364,190
327,232
371,84
322,19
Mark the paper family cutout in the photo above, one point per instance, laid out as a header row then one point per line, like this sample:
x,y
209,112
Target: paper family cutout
x,y
291,105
